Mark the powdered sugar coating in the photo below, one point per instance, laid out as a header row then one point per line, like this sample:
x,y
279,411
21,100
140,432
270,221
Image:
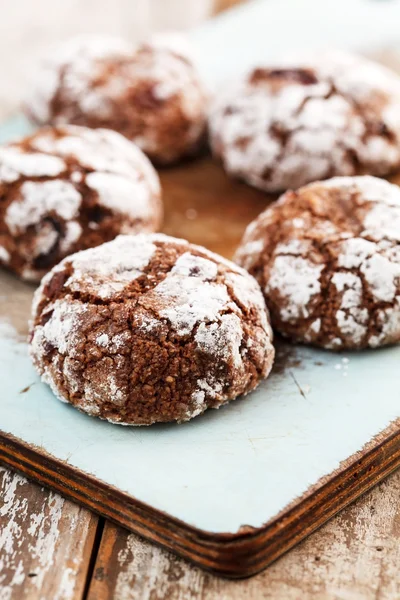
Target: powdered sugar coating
x,y
298,282
149,314
106,270
309,119
4,255
14,163
151,93
72,188
335,281
39,199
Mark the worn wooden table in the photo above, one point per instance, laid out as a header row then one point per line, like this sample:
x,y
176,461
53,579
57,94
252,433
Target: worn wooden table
x,y
51,549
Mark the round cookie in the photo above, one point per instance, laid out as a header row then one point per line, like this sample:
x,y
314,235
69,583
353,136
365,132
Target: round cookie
x,y
328,260
333,114
69,188
149,329
151,93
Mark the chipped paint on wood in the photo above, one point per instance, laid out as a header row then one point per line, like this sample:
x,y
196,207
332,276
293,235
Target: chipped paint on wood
x,y
43,541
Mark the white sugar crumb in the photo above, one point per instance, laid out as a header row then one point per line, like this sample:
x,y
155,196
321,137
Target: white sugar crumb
x,y
4,255
103,387
343,366
316,326
352,318
249,252
191,214
198,397
45,239
148,324
189,265
297,281
62,328
248,294
222,339
383,221
38,199
295,246
72,233
15,163
103,340
210,388
334,344
106,270
77,177
188,295
389,322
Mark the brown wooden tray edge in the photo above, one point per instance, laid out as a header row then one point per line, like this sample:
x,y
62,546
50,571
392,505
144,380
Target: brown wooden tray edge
x,y
232,555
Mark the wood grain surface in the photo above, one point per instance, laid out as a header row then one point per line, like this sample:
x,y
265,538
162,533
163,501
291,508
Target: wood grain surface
x,y
356,556
46,542
45,552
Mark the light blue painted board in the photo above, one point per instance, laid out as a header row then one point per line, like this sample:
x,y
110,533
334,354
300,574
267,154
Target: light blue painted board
x,y
246,462
239,465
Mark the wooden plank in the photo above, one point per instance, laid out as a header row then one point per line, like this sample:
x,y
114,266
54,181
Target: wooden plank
x,y
354,557
45,542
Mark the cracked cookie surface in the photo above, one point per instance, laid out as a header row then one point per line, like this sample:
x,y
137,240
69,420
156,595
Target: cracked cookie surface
x,y
327,257
151,93
149,329
68,188
284,127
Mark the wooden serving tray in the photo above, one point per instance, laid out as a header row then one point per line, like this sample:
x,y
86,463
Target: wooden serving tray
x,y
234,489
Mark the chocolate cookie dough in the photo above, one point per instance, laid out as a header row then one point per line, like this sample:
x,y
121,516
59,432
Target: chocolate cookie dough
x,y
148,329
328,260
306,120
151,93
69,188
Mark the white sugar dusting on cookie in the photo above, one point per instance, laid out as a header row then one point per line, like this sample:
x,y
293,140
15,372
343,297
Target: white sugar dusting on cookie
x,y
306,119
149,329
334,281
37,199
106,270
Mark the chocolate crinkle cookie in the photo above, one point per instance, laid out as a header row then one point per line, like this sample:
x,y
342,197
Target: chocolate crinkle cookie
x,y
148,329
328,260
151,93
336,114
70,188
